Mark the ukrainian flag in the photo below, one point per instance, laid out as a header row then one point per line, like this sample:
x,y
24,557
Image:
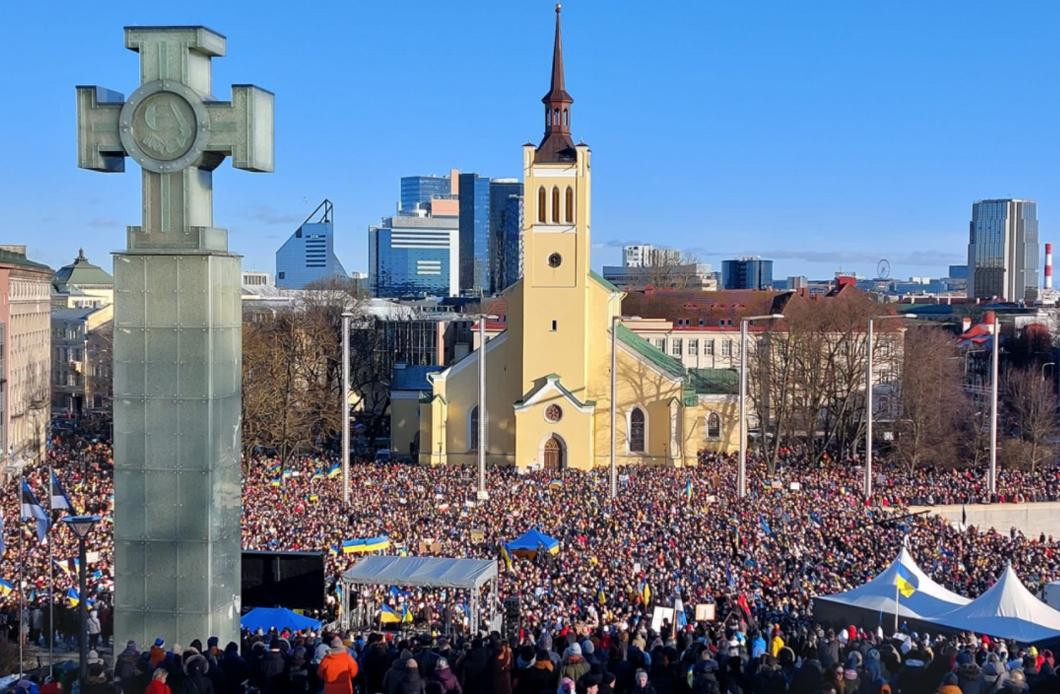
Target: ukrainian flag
x,y
906,581
688,491
334,471
314,497
365,544
6,587
388,615
645,592
333,550
507,557
73,597
275,483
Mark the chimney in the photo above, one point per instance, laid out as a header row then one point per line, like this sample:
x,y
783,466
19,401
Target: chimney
x,y
966,324
1048,266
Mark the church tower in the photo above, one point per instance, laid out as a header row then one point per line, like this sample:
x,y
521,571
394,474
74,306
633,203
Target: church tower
x,y
556,219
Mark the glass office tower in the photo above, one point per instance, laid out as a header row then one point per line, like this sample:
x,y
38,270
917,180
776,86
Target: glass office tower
x,y
747,273
1003,250
413,256
417,191
474,234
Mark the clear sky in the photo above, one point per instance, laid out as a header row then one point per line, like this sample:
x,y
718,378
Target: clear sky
x,y
825,134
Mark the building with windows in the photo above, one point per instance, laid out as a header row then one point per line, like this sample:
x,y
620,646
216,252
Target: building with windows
x,y
308,256
506,226
82,285
698,276
747,273
414,256
547,373
256,278
1003,250
25,317
475,241
647,255
419,192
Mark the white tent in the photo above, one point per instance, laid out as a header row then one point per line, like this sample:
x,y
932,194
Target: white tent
x,y
873,603
1007,610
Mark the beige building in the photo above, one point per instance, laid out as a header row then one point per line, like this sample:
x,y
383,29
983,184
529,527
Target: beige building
x,y
82,285
25,315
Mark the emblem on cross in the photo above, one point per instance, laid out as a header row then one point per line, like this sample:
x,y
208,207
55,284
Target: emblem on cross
x,y
173,128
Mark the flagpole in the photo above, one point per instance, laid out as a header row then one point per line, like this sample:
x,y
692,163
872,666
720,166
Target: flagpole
x,y
51,573
21,569
897,592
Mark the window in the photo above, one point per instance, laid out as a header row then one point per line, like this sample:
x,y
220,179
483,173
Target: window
x,y
693,347
555,205
541,205
472,429
661,344
554,326
708,348
713,426
675,347
726,348
636,430
570,205
281,275
555,260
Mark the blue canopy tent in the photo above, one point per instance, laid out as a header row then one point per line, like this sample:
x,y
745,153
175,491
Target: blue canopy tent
x,y
531,542
266,618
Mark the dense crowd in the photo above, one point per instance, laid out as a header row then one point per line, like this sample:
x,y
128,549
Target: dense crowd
x,y
806,531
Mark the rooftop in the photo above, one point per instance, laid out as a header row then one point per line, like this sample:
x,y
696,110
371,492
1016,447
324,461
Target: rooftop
x,y
81,273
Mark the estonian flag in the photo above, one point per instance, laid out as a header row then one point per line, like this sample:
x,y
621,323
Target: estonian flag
x,y
32,510
905,580
60,501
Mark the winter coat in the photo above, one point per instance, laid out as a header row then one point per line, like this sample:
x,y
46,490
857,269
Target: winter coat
x,y
539,678
93,625
450,684
271,672
970,679
574,668
158,687
408,682
198,683
337,671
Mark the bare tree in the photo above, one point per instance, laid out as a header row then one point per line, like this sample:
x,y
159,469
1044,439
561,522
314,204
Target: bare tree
x,y
931,398
1031,405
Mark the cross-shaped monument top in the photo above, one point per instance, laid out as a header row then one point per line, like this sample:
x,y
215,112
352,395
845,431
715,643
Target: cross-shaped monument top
x,y
176,131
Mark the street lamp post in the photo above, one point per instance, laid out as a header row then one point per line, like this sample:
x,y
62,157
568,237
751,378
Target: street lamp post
x,y
741,471
82,526
346,316
482,493
614,407
868,398
994,358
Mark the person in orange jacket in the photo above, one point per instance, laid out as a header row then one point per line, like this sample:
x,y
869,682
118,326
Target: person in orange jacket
x,y
338,669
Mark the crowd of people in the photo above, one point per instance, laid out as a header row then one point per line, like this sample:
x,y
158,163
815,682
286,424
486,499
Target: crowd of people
x,y
805,531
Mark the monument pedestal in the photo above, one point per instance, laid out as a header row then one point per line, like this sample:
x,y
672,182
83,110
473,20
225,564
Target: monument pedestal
x,y
177,376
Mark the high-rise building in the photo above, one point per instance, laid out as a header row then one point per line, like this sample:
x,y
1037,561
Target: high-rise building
x,y
1003,250
958,272
747,273
308,256
474,233
417,192
506,251
414,256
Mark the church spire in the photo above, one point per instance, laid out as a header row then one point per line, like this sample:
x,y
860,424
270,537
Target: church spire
x,y
557,145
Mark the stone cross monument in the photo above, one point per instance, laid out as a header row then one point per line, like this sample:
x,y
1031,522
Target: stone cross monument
x,y
177,336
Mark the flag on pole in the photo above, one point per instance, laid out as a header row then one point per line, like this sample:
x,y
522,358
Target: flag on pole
x,y
680,618
73,598
765,526
32,510
6,587
645,593
60,501
906,582
688,491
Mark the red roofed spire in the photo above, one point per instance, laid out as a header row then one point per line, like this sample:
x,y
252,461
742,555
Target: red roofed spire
x,y
557,145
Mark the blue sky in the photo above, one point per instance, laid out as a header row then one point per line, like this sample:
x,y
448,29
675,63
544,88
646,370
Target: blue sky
x,y
825,135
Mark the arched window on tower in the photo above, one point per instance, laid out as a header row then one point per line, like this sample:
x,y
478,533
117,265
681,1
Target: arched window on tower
x,y
570,205
713,426
636,430
555,205
541,203
566,118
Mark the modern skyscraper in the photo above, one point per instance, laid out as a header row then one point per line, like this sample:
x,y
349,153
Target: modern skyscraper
x,y
1003,250
414,256
309,254
747,273
474,233
506,252
647,255
418,192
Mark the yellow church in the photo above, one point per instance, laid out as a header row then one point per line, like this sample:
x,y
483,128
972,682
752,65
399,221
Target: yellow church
x,y
548,374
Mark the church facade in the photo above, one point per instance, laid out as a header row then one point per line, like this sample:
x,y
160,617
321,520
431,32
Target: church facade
x,y
548,374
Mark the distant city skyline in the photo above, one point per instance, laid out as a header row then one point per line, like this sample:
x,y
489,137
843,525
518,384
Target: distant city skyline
x,y
824,138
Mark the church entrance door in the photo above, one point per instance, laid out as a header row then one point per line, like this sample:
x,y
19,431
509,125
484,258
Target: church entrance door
x,y
554,454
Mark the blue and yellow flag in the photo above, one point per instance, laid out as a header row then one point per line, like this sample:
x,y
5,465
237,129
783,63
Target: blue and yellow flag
x,y
73,598
905,580
506,555
6,587
366,544
645,593
334,471
388,615
688,491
